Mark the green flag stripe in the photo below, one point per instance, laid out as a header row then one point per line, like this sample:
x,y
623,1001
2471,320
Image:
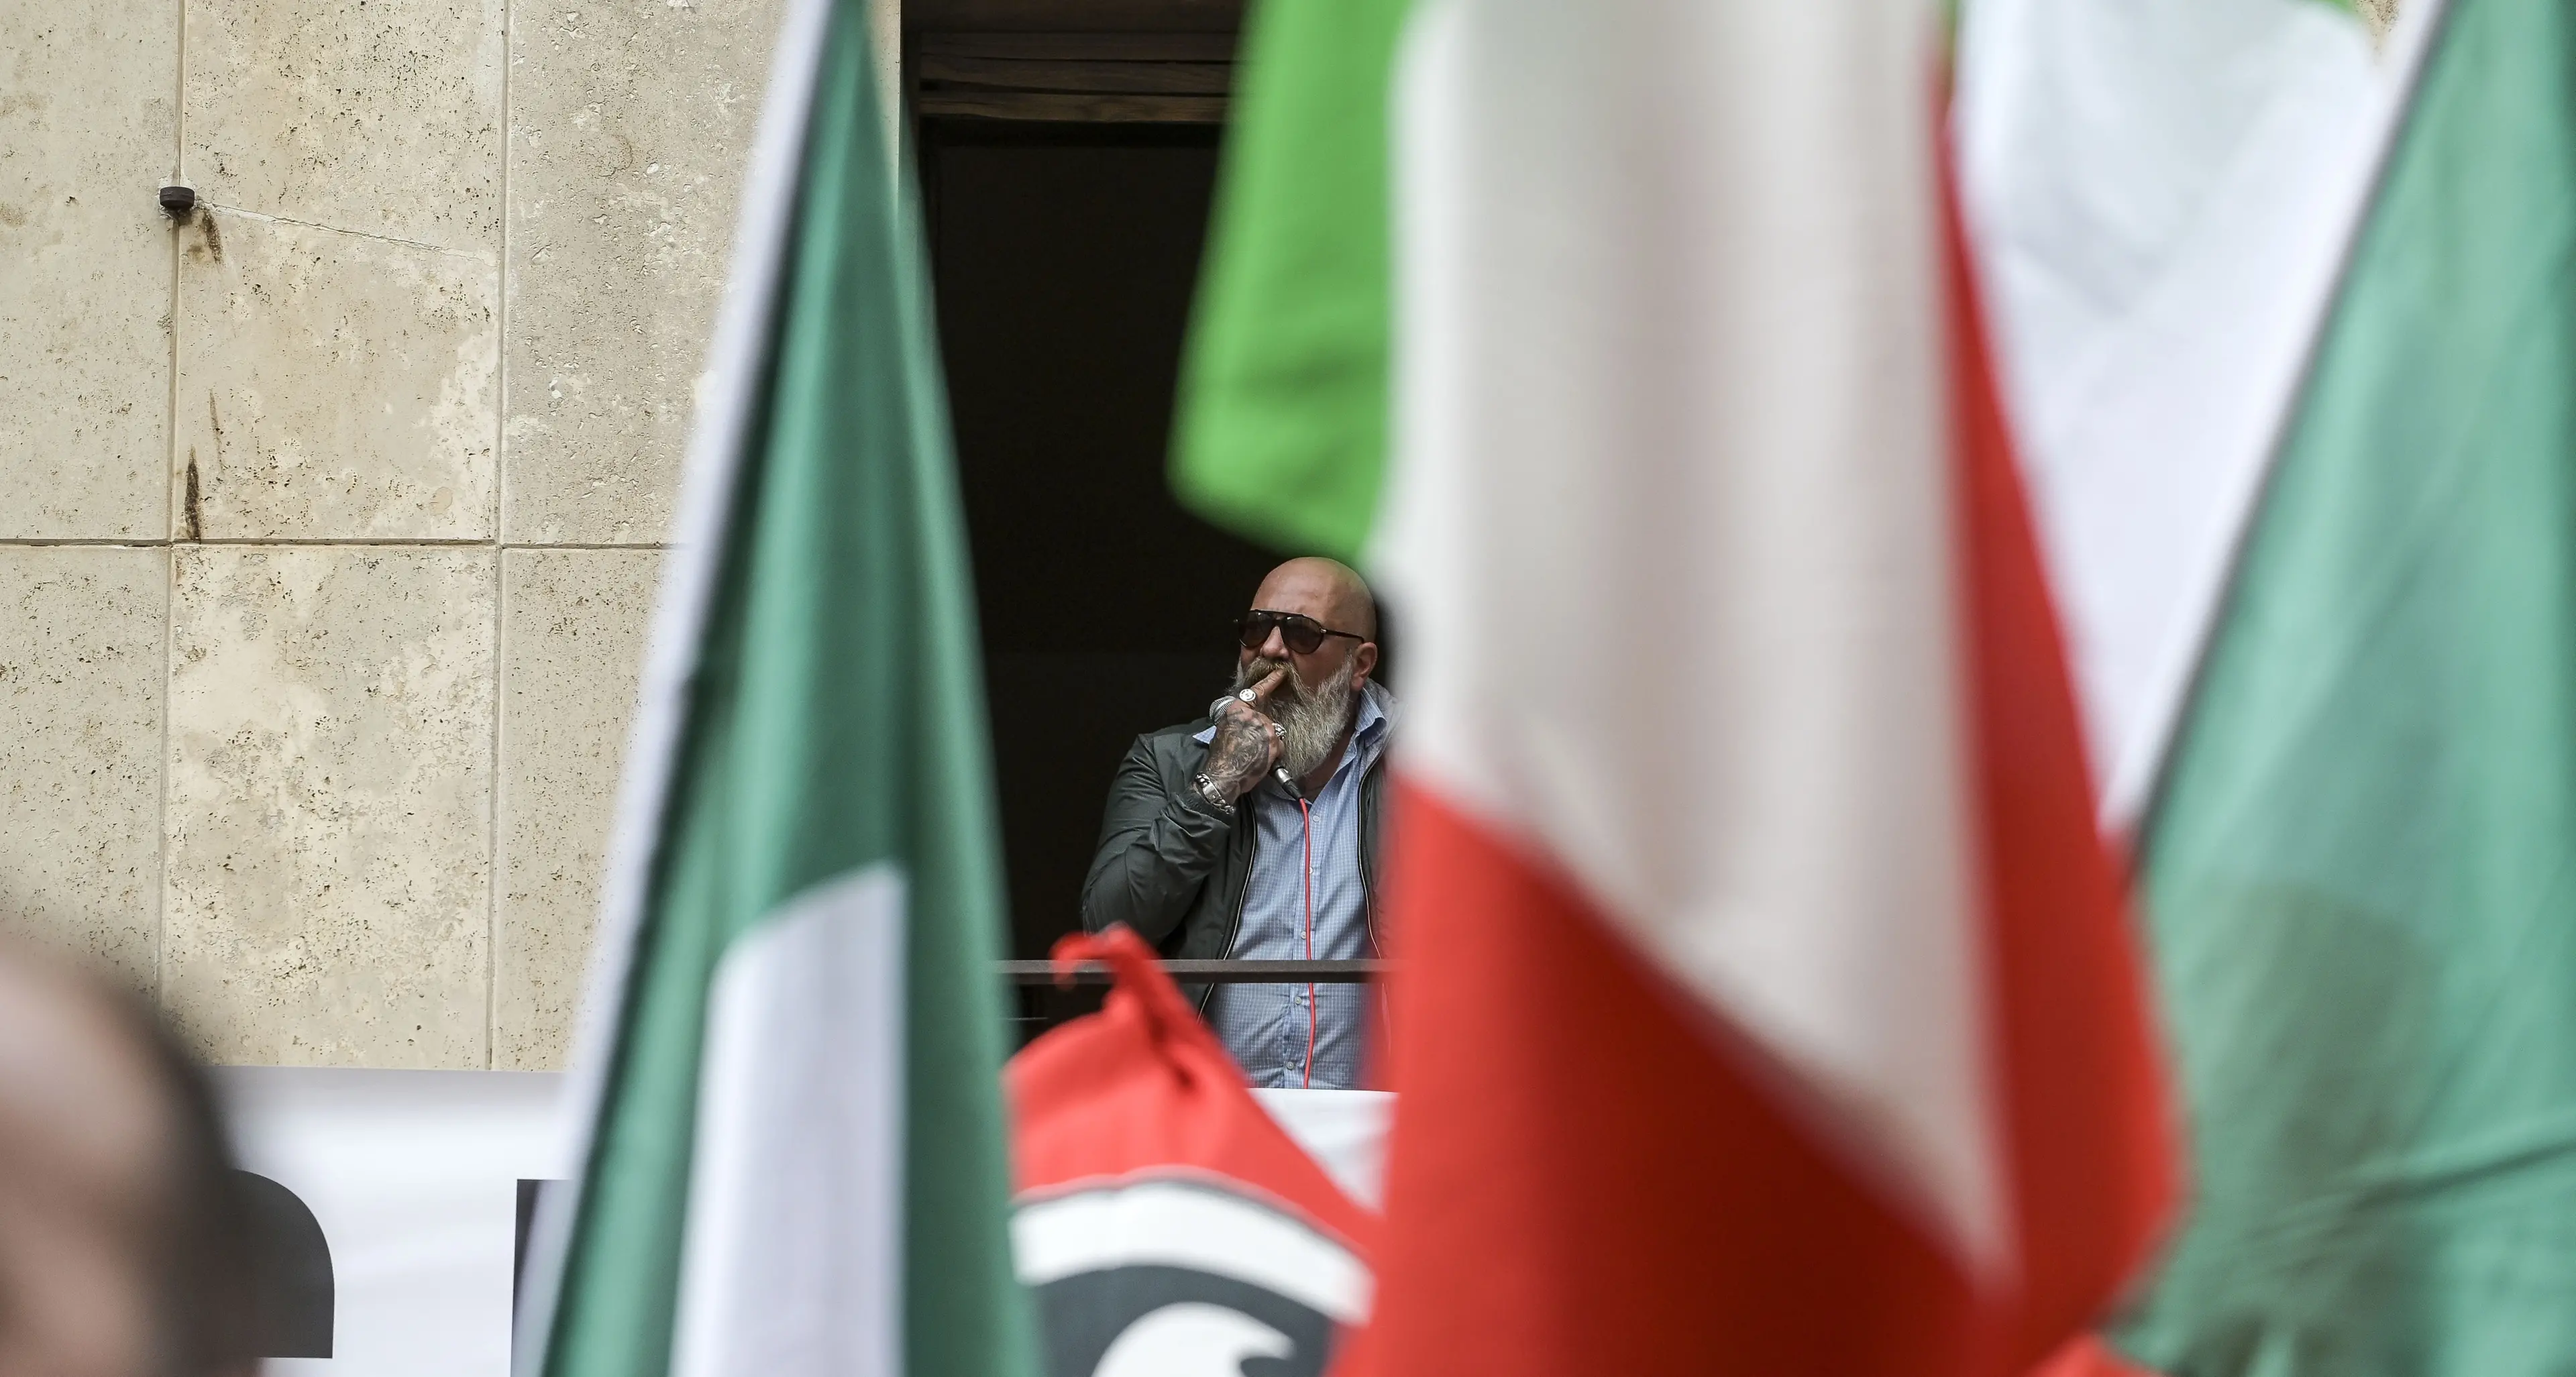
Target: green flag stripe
x,y
1281,432
2359,876
834,720
727,404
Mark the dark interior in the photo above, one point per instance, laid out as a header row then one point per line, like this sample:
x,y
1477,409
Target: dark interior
x,y
1064,258
1067,151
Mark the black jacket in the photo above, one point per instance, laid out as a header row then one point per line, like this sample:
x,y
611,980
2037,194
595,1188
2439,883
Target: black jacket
x,y
1175,869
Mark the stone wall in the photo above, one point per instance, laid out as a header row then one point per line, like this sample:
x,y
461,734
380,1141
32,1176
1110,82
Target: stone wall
x,y
330,520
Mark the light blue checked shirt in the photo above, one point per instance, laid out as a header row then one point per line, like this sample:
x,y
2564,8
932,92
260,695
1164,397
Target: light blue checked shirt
x,y
1264,1026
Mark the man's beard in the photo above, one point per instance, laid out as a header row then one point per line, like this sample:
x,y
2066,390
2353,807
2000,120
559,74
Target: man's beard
x,y
1312,716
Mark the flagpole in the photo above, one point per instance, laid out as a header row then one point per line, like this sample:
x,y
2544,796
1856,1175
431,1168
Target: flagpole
x,y
728,396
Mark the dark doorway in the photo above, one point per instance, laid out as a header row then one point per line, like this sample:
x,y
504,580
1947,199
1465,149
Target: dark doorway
x,y
1064,257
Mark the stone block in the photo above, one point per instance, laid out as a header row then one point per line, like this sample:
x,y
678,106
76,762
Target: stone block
x,y
327,899
377,116
629,128
573,631
88,129
332,386
80,752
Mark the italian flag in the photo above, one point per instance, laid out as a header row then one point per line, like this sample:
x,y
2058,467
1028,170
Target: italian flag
x,y
2162,199
794,1157
1767,1000
2356,843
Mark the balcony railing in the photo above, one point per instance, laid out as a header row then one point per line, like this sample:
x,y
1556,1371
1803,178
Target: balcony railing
x,y
1212,972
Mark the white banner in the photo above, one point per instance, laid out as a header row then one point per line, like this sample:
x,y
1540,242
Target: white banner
x,y
413,1178
413,1184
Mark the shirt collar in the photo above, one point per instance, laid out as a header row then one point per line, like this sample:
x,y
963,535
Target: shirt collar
x,y
1377,712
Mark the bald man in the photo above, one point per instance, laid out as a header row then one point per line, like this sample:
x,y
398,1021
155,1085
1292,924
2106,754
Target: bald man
x,y
1204,849
119,1248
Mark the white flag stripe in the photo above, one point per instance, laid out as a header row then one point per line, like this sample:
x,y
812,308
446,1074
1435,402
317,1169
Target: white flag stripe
x,y
1171,1223
793,1258
2162,197
726,399
1672,517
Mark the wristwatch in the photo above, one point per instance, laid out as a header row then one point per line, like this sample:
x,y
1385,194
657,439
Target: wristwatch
x,y
1208,790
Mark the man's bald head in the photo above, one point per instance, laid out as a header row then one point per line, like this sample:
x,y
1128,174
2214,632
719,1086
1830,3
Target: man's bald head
x,y
1327,590
1312,694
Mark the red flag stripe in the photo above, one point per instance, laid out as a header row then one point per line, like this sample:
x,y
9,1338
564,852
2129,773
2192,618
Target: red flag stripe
x,y
1590,1174
1583,1180
2083,1092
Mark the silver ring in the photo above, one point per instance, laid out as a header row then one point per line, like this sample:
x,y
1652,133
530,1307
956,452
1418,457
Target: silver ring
x,y
1278,730
1246,696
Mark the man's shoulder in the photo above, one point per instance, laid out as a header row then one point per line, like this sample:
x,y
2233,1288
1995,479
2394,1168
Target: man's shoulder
x,y
1174,742
1169,753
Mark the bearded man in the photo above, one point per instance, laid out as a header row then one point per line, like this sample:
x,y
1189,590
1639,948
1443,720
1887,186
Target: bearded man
x,y
1206,853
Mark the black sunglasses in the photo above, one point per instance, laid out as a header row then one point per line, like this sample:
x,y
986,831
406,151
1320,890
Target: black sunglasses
x,y
1304,635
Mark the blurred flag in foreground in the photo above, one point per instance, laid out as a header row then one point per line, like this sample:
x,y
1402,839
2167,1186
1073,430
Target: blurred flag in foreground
x,y
795,1159
2358,869
1768,1001
1166,1225
1282,431
2160,198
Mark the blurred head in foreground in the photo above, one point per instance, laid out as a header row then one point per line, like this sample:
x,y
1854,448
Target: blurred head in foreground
x,y
116,1228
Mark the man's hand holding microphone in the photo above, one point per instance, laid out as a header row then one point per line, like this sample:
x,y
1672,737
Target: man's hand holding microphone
x,y
1246,746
